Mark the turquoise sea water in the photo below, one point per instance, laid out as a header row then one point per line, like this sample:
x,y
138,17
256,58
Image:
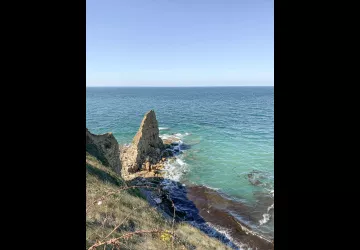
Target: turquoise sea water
x,y
229,132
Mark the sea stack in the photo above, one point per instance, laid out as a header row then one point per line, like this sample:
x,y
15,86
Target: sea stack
x,y
105,148
146,147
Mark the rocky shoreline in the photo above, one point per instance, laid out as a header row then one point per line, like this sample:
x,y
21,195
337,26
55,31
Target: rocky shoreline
x,y
193,208
143,163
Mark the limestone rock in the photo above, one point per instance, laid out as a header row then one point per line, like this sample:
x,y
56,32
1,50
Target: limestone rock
x,y
146,146
105,148
147,166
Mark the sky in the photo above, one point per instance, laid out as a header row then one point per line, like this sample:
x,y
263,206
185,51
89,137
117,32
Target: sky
x,y
179,43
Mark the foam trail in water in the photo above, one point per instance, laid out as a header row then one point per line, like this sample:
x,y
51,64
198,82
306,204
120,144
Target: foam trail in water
x,y
219,233
271,207
215,189
164,128
177,136
266,218
272,193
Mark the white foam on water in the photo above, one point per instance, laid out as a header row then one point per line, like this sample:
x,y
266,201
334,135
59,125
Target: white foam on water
x,y
227,233
266,218
181,162
177,136
164,128
224,231
175,169
272,193
215,189
164,136
271,207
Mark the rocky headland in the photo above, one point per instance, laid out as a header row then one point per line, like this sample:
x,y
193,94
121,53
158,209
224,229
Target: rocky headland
x,y
142,163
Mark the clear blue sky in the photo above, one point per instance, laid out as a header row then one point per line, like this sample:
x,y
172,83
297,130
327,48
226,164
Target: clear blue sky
x,y
179,42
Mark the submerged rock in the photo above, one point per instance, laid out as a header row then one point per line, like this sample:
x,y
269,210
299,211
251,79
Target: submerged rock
x,y
254,177
146,146
158,200
105,148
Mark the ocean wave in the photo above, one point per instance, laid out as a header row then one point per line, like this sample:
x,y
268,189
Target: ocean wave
x,y
271,207
266,216
177,136
219,233
164,136
164,128
215,189
270,191
175,169
265,219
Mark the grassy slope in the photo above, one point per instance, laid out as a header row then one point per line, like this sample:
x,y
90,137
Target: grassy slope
x,y
132,211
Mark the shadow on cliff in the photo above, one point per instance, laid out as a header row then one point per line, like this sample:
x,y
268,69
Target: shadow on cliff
x,y
93,150
102,175
185,209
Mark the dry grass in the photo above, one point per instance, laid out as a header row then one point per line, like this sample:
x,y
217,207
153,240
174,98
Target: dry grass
x,y
118,217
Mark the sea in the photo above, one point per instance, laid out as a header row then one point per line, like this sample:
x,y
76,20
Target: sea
x,y
226,135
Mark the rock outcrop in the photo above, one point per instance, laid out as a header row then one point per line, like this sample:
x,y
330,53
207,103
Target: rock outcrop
x,y
105,148
146,147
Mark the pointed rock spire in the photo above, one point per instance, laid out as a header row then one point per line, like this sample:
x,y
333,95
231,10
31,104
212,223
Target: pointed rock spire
x,y
146,146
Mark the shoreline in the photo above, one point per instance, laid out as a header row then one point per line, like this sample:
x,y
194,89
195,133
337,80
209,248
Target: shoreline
x,y
217,223
214,208
192,206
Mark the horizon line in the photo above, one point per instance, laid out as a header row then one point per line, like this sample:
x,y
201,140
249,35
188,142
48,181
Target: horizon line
x,y
201,86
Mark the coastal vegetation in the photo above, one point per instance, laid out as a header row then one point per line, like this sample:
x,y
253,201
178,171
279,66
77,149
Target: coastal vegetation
x,y
118,216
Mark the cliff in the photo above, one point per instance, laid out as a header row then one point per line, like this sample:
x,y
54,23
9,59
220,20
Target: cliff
x,y
105,148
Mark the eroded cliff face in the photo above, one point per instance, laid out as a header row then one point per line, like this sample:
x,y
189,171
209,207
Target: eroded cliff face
x,y
105,148
146,147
